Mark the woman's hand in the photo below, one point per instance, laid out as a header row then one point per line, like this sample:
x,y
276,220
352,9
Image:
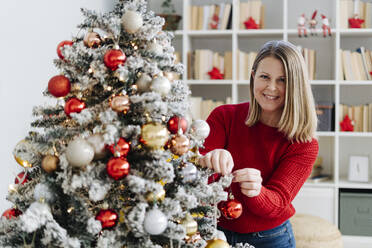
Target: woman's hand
x,y
220,160
250,181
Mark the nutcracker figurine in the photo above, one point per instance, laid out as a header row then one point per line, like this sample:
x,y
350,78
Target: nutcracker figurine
x,y
312,24
301,21
325,26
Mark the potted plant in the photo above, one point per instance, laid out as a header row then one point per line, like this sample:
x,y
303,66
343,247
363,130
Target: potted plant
x,y
169,14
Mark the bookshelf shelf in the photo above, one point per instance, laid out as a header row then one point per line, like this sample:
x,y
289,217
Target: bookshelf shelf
x,y
281,23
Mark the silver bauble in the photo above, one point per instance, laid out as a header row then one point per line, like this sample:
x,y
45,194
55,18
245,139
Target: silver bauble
x,y
131,21
155,222
144,82
189,173
98,144
161,85
200,129
79,153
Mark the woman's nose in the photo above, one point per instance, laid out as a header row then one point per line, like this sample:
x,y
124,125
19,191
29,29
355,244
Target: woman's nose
x,y
271,84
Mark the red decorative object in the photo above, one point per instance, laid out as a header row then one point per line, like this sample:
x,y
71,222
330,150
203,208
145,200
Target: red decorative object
x,y
251,23
121,148
215,73
107,217
175,123
117,168
21,176
113,58
347,124
370,73
214,178
12,213
231,209
62,44
214,22
355,22
59,86
74,105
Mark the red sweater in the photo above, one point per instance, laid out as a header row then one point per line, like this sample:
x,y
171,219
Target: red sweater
x,y
284,166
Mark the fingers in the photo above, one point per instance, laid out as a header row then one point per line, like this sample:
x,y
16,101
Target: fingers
x,y
219,160
247,175
215,159
250,186
250,193
223,163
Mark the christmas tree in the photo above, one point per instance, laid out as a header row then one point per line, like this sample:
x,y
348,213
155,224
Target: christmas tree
x,y
113,162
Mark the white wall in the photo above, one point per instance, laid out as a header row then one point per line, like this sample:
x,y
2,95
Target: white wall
x,y
30,33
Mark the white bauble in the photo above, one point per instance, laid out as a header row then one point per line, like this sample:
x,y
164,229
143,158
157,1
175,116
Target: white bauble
x,y
155,222
200,129
79,152
155,48
131,21
189,173
143,83
161,85
98,144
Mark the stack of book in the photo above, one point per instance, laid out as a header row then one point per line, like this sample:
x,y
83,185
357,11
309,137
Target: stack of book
x,y
356,65
361,115
202,61
310,60
245,63
347,11
201,108
216,16
254,9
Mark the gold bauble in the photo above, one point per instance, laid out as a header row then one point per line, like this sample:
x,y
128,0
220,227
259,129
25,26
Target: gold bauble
x,y
190,225
120,103
49,163
217,243
157,196
92,40
23,163
179,144
23,145
154,135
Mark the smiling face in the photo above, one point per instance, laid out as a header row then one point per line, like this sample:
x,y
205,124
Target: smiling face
x,y
269,88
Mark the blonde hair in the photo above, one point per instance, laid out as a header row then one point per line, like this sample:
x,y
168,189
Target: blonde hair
x,y
298,120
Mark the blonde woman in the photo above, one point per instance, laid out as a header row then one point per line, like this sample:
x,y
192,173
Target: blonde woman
x,y
268,145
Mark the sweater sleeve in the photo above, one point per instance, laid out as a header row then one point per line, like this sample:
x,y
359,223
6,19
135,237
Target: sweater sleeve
x,y
278,192
218,130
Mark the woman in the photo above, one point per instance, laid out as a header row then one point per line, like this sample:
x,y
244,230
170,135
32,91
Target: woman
x,y
269,145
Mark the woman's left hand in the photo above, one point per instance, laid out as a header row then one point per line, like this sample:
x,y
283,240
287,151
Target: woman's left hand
x,y
250,181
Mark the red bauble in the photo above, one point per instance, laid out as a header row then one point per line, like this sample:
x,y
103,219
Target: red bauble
x,y
214,178
175,123
21,176
107,217
59,86
120,149
113,58
231,209
60,45
117,168
74,105
12,213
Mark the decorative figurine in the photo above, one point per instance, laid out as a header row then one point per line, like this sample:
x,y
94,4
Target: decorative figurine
x,y
301,21
312,24
325,26
355,22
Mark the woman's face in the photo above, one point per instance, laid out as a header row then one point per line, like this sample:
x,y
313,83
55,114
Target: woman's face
x,y
269,85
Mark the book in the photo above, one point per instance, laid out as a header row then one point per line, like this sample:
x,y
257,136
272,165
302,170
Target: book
x,y
347,69
243,13
365,118
200,19
227,13
206,16
365,67
344,22
228,65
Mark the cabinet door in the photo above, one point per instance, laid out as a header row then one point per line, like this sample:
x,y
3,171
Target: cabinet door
x,y
316,201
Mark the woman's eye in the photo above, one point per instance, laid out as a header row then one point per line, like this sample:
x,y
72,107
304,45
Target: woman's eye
x,y
264,77
282,80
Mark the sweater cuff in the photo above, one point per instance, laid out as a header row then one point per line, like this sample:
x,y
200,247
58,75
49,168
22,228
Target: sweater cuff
x,y
259,205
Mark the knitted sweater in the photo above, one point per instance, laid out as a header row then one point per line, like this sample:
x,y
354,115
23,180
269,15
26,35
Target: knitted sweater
x,y
284,166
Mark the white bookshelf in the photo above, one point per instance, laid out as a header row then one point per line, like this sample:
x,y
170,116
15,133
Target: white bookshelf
x,y
281,23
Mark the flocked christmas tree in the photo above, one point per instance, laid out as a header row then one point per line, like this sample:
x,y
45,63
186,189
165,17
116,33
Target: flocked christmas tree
x,y
112,163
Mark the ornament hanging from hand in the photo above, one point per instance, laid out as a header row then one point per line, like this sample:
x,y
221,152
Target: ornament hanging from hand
x,y
231,209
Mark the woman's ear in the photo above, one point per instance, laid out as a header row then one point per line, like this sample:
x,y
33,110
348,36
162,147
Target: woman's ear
x,y
252,73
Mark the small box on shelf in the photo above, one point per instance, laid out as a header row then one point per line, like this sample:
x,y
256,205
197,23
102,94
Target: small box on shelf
x,y
326,116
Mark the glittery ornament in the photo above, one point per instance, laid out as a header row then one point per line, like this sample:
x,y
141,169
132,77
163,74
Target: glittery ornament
x,y
231,209
120,149
155,222
217,243
74,105
49,163
92,40
175,123
11,213
22,161
120,103
79,153
131,21
200,129
190,225
107,217
179,144
59,86
113,58
62,44
117,168
157,196
154,135
21,178
161,85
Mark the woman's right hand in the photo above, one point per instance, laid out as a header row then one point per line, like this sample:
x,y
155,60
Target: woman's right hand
x,y
220,160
